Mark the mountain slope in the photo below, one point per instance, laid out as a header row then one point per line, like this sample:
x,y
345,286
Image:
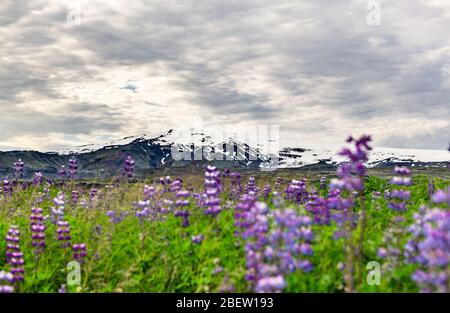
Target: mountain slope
x,y
164,151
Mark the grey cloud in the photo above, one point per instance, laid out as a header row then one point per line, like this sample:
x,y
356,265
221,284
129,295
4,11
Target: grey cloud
x,y
74,120
439,140
358,72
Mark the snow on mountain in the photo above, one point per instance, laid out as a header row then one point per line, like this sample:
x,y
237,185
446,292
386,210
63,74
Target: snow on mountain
x,y
201,145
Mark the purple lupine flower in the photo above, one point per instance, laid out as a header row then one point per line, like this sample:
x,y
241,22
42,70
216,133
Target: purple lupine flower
x,y
7,187
323,182
62,173
149,192
292,239
6,281
63,228
278,183
73,168
128,168
165,182
93,193
144,211
267,190
63,233
79,252
431,188
75,196
197,239
270,284
184,214
318,206
213,188
37,230
442,197
62,289
242,208
38,178
176,185
236,185
251,186
59,209
392,250
180,203
342,194
14,257
296,191
18,168
255,236
430,249
226,173
117,217
277,199
398,197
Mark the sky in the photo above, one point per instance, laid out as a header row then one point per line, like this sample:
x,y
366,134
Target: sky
x,y
78,72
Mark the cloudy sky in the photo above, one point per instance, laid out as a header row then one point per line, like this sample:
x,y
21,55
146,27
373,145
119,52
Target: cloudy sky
x,y
76,72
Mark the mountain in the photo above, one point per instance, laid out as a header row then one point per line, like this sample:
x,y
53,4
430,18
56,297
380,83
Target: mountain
x,y
98,160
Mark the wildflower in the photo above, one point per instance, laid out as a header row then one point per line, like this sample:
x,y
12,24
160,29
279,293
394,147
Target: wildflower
x,y
292,240
75,196
430,249
236,186
93,194
7,187
323,182
176,185
278,183
59,209
6,281
266,191
318,206
14,257
73,168
442,197
63,231
255,236
251,186
431,188
149,192
184,214
197,239
241,210
18,168
213,187
128,168
62,289
117,217
342,195
38,179
79,252
62,172
63,228
270,284
226,173
399,197
296,191
37,230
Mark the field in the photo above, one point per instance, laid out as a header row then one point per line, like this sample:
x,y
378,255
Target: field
x,y
217,231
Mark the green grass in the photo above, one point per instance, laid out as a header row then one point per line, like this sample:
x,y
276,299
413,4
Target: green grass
x,y
158,255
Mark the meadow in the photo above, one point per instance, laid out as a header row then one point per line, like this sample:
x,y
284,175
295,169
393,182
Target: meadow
x,y
225,231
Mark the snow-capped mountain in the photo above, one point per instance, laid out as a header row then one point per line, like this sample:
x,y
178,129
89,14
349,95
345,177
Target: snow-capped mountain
x,y
197,149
